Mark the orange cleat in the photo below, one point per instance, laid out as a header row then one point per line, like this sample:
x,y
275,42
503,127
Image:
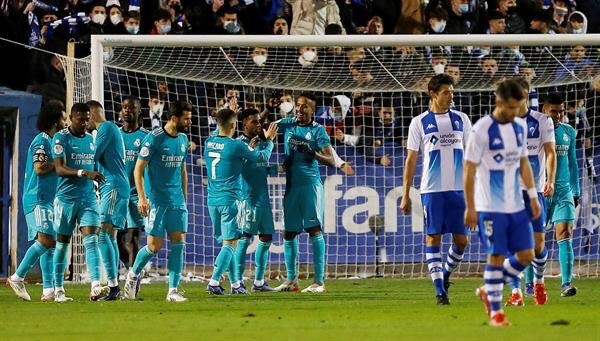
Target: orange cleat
x,y
540,294
484,299
515,300
499,320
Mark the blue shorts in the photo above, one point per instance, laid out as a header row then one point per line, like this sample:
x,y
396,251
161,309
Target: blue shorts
x,y
113,208
226,221
40,220
444,212
303,207
167,219
561,207
67,215
539,225
134,218
505,233
256,219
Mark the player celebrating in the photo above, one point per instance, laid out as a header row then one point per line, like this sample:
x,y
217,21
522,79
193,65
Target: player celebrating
x,y
561,206
256,213
495,158
442,134
133,135
114,193
163,152
224,159
306,142
38,197
75,203
542,158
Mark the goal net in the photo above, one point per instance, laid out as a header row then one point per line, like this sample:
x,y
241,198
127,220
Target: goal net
x,y
378,83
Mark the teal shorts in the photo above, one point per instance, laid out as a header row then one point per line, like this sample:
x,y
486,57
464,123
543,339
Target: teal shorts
x,y
256,219
226,221
113,208
167,219
40,220
303,207
67,215
560,207
134,218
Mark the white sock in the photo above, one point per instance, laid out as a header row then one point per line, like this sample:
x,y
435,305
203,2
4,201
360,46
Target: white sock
x,y
47,291
259,283
516,291
131,275
95,284
171,290
16,278
236,284
213,283
113,282
57,289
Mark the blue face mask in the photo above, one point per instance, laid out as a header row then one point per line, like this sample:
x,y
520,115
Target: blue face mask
x,y
464,8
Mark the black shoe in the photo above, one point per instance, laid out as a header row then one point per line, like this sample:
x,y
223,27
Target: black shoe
x,y
114,294
447,284
442,299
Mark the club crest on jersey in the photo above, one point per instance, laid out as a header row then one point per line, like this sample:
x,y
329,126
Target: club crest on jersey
x,y
308,136
144,152
433,139
182,148
565,137
91,146
137,142
532,129
457,124
498,157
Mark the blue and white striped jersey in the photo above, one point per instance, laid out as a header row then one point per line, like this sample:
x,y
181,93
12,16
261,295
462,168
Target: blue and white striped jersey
x,y
540,130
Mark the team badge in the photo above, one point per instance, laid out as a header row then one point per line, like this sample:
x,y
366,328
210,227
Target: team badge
x,y
58,149
183,148
91,146
565,137
137,143
144,152
308,136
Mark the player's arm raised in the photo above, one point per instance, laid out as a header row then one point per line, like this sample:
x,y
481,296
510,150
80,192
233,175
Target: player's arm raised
x,y
259,155
550,150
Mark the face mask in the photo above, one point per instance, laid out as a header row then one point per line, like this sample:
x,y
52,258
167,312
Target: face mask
x,y
580,111
231,26
484,52
578,30
132,29
438,68
165,29
157,109
99,18
259,60
463,8
309,56
336,116
561,10
115,19
439,26
286,109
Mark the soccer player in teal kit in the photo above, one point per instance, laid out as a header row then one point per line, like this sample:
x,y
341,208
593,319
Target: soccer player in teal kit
x,y
163,153
38,196
114,193
561,206
75,205
306,144
224,159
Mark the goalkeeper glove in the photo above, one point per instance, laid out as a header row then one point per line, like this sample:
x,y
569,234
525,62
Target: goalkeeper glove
x,y
576,201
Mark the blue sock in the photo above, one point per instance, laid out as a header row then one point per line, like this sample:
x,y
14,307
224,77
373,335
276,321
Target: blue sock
x,y
175,263
223,261
516,283
31,257
141,259
538,265
318,244
92,256
47,266
115,245
108,257
60,263
511,269
261,257
434,264
290,252
453,259
566,258
528,274
240,257
494,283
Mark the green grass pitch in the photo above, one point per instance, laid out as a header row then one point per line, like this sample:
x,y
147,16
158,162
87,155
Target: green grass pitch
x,y
372,309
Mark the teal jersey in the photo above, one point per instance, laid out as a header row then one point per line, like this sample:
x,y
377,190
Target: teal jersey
x,y
254,185
133,144
79,153
224,158
110,158
567,172
302,169
38,189
165,155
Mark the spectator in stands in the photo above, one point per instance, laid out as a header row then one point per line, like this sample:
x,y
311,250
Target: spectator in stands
x,y
178,17
462,18
354,15
514,23
281,27
559,11
437,21
576,64
489,66
308,56
259,56
541,22
156,106
438,63
98,15
312,16
454,71
496,23
380,131
132,22
336,118
228,22
375,25
361,73
407,15
162,22
115,14
577,23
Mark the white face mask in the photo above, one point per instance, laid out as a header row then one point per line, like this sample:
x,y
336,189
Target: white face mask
x,y
286,108
578,30
439,26
99,18
439,68
309,55
463,8
115,19
259,60
561,10
157,109
165,29
134,29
